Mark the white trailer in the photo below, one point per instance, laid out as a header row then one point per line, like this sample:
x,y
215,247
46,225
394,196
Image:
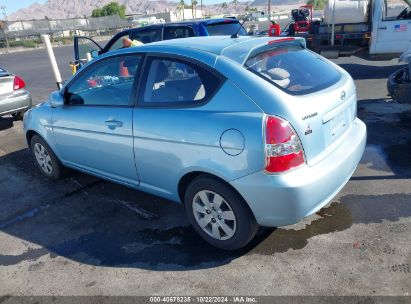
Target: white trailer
x,y
381,26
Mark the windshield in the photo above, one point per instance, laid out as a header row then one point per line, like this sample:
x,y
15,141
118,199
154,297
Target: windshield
x,y
293,69
225,28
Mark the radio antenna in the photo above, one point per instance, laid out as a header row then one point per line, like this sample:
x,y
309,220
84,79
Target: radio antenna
x,y
239,28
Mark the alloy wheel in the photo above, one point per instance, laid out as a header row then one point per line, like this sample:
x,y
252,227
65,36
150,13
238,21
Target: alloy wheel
x,y
43,158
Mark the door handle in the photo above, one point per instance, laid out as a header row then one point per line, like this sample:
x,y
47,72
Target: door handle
x,y
382,28
112,123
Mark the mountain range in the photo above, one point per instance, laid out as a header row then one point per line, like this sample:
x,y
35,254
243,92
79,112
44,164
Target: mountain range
x,y
59,9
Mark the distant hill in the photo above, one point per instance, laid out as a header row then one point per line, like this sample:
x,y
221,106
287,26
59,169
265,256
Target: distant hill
x,y
59,9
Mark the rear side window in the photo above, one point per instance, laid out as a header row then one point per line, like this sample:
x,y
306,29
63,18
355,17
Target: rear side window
x,y
174,32
225,28
146,36
293,69
170,81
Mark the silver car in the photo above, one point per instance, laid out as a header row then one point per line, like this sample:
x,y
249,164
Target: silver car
x,y
14,98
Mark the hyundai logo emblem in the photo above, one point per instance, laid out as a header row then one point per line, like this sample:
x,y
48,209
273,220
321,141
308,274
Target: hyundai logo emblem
x,y
342,95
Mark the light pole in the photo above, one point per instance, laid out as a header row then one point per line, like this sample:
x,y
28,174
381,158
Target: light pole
x,y
269,10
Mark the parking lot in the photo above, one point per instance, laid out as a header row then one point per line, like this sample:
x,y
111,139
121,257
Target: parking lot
x,y
86,236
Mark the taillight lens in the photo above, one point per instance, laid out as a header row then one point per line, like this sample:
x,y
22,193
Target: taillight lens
x,y
283,149
18,83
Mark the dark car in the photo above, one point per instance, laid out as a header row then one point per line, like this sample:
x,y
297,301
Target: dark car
x,y
399,83
158,32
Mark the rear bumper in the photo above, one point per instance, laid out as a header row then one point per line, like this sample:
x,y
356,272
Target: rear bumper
x,y
284,199
16,103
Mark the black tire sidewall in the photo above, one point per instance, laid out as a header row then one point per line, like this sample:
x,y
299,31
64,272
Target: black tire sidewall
x,y
246,226
58,168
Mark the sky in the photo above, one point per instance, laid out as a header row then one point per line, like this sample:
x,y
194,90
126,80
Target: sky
x,y
14,5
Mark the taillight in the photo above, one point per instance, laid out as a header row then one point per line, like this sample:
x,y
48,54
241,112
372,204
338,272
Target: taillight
x,y
18,83
283,149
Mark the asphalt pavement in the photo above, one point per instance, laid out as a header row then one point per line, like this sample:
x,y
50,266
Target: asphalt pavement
x,y
86,236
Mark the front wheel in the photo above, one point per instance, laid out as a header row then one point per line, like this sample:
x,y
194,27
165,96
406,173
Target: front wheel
x,y
219,214
46,160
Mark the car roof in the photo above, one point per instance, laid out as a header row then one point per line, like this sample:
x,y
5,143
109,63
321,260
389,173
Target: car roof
x,y
237,49
189,22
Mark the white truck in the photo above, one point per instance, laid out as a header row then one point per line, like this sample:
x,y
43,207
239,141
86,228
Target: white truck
x,y
381,26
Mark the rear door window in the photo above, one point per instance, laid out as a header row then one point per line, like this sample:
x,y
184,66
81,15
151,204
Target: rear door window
x,y
174,32
146,36
293,69
225,28
174,81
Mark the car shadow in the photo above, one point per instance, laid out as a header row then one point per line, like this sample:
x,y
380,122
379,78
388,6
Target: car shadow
x,y
388,135
6,123
95,222
363,71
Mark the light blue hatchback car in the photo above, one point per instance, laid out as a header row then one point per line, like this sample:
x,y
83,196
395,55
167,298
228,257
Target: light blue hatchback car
x,y
244,131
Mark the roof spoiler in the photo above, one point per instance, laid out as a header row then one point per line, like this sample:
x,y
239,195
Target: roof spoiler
x,y
276,42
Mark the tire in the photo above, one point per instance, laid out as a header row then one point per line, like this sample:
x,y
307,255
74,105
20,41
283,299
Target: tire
x,y
230,224
291,30
45,158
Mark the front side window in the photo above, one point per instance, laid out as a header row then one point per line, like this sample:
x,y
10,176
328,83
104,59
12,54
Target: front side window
x,y
175,32
178,82
119,44
108,82
396,10
293,69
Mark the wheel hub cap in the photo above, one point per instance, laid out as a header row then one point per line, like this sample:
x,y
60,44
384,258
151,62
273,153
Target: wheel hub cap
x,y
214,215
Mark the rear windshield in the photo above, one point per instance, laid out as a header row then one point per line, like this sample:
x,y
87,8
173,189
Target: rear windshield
x,y
293,69
225,28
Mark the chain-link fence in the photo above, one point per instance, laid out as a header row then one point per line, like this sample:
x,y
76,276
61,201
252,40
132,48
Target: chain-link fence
x,y
27,32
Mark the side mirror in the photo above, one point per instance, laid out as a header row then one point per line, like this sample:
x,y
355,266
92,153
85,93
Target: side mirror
x,y
94,54
56,100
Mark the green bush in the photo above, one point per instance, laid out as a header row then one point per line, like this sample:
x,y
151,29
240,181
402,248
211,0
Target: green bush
x,y
24,43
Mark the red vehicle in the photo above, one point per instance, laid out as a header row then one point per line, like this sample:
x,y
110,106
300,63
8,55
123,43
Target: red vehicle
x,y
302,20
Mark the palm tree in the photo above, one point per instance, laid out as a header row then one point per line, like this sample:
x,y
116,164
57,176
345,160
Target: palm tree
x,y
193,8
181,6
201,7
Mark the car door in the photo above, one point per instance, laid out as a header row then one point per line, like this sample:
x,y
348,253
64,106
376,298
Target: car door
x,y
393,28
93,130
170,92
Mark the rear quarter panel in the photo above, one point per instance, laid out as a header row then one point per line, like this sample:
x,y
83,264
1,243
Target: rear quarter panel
x,y
274,101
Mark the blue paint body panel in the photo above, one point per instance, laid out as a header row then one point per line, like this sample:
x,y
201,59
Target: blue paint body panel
x,y
157,146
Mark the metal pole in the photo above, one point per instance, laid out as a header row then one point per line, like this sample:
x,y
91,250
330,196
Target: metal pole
x,y
54,66
269,10
333,25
